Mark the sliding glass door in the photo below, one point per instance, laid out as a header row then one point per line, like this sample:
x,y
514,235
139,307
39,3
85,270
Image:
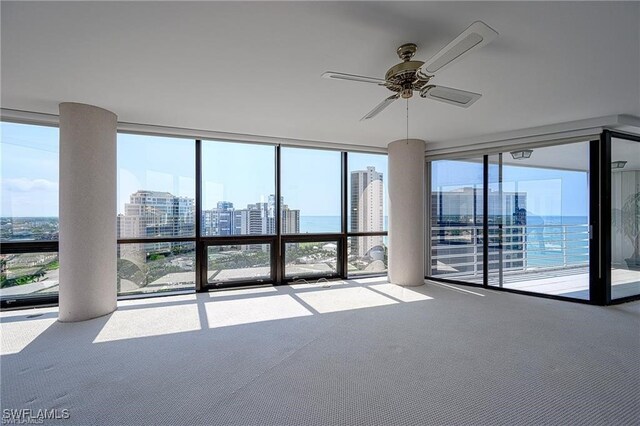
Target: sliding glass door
x,y
538,221
455,222
625,218
517,220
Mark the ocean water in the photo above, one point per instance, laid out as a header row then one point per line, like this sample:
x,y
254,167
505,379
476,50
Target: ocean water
x,y
556,241
320,224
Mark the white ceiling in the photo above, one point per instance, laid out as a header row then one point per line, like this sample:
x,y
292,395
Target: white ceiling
x,y
254,68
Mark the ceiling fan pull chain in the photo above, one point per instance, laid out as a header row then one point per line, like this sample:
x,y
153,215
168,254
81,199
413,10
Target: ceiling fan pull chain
x,y
407,119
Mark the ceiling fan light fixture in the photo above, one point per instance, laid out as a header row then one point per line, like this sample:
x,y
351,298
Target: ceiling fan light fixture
x,y
521,154
618,164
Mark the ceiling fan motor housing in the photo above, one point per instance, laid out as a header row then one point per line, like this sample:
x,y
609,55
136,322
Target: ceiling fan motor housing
x,y
403,78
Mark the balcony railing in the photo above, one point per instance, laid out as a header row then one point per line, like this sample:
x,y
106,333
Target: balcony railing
x,y
456,250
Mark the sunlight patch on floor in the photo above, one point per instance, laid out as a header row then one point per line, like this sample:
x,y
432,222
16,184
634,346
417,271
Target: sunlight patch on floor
x,y
151,321
344,299
222,313
15,336
403,294
241,291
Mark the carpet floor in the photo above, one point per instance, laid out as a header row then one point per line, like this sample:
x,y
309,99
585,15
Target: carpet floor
x,y
358,352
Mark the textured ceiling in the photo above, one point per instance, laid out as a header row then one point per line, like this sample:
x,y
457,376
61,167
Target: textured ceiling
x,y
254,68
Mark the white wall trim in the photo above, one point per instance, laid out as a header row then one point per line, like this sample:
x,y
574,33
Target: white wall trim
x,y
27,117
556,133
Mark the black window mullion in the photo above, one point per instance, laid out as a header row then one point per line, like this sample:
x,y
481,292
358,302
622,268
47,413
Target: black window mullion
x,y
485,221
343,265
201,263
17,247
278,265
603,295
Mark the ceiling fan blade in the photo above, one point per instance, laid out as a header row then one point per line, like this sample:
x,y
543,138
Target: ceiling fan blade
x,y
352,77
477,35
456,97
382,105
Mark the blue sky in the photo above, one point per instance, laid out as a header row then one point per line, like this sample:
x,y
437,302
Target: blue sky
x,y
29,163
240,173
549,192
244,174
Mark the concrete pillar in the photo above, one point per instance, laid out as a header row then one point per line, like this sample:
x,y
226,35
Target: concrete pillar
x,y
406,212
87,212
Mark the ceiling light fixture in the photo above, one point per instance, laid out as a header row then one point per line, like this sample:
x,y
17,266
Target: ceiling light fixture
x,y
521,154
618,164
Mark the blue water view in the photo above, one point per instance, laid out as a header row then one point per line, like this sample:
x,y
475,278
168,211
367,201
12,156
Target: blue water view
x,y
323,224
557,241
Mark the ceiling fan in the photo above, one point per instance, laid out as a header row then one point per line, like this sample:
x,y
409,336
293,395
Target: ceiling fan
x,y
409,76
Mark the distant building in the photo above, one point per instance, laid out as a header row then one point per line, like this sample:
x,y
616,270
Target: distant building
x,y
255,219
367,209
218,221
289,220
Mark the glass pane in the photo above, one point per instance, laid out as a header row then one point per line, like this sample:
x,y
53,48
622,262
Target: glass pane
x,y
367,255
157,267
538,220
238,187
311,259
239,263
625,215
29,274
156,187
310,191
456,219
367,194
29,182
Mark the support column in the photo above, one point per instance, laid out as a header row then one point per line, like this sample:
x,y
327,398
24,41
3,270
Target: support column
x,y
406,212
88,241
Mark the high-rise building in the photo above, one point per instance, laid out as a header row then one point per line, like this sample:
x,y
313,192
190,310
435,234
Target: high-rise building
x,y
290,220
151,214
252,220
367,212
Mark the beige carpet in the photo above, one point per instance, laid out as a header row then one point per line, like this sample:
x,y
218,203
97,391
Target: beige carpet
x,y
355,353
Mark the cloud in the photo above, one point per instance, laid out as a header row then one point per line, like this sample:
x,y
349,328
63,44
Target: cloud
x,y
28,185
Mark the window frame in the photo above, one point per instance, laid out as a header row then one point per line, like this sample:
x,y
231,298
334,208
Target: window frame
x,y
277,242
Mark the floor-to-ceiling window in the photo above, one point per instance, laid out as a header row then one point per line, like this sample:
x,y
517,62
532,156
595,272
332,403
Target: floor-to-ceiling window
x,y
311,204
29,217
156,214
367,217
238,215
625,217
198,214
